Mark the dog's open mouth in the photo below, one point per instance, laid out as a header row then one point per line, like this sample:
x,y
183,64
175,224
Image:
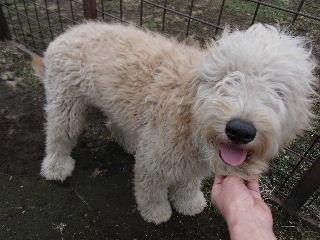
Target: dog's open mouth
x,y
232,154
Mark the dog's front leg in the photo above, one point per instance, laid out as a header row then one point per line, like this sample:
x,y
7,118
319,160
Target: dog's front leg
x,y
187,197
151,192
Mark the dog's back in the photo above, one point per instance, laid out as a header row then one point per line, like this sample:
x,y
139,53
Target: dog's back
x,y
126,72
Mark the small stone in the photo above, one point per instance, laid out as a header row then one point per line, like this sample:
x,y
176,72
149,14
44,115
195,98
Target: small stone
x,y
10,132
98,172
7,76
12,84
12,116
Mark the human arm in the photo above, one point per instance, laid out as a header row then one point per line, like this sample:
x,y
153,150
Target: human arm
x,y
240,203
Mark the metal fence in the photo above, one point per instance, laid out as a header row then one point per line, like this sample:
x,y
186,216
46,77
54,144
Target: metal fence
x,y
294,177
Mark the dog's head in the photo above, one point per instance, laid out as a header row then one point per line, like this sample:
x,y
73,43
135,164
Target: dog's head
x,y
253,97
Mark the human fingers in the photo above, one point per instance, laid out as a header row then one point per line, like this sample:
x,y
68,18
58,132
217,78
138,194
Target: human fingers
x,y
217,186
253,185
219,179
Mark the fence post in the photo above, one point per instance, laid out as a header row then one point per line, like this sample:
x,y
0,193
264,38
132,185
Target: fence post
x,y
90,9
304,189
4,28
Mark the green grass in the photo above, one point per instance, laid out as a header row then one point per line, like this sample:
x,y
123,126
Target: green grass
x,y
246,9
15,62
236,13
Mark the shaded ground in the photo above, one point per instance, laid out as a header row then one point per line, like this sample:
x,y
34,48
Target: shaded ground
x,y
97,202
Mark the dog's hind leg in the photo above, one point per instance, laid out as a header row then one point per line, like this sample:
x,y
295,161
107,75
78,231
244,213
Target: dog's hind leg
x,y
65,118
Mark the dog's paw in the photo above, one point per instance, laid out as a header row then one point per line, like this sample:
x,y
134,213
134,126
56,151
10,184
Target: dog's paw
x,y
57,168
190,206
156,213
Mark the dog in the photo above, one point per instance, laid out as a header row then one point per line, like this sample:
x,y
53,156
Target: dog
x,y
181,110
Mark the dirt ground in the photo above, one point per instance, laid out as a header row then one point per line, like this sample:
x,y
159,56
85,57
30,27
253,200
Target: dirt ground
x,y
97,202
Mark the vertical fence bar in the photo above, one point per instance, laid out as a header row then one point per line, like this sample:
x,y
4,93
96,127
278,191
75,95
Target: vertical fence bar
x,y
189,19
121,10
219,17
304,190
4,29
298,10
141,11
164,14
255,13
28,21
90,9
38,22
48,18
59,14
19,21
10,18
102,8
71,9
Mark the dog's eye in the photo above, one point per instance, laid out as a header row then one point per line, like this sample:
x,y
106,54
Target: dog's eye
x,y
232,81
237,80
279,92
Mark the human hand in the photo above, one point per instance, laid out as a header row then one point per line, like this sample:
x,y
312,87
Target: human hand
x,y
241,205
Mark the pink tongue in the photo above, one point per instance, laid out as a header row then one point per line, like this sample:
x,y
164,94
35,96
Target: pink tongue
x,y
232,154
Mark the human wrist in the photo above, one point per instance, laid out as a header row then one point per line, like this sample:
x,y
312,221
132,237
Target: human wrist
x,y
247,226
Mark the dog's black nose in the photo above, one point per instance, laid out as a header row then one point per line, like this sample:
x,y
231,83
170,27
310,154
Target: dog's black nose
x,y
239,131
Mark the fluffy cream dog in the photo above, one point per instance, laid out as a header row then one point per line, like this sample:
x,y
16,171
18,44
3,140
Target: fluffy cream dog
x,y
179,109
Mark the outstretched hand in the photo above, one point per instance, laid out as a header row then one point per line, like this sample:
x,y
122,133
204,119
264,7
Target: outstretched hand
x,y
242,206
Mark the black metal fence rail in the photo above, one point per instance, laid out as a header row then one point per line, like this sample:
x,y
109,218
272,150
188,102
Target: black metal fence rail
x,y
54,16
295,175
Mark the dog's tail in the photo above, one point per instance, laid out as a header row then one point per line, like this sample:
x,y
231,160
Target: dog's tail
x,y
38,65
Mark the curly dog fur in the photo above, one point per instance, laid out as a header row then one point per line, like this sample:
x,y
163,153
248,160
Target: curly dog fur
x,y
168,104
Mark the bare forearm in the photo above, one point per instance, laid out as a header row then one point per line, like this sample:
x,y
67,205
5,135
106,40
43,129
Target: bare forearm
x,y
247,230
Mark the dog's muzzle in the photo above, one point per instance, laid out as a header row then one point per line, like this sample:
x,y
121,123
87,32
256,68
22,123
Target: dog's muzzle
x,y
239,132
